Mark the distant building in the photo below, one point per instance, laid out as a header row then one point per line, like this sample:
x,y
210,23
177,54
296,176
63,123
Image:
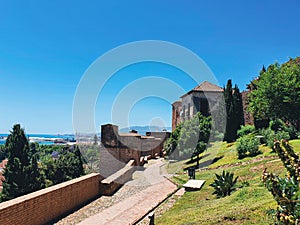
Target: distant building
x,y
203,98
118,148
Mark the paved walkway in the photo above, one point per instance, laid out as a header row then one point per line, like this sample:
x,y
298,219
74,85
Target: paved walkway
x,y
131,209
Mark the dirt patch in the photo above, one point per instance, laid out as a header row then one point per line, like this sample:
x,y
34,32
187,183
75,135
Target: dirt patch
x,y
258,168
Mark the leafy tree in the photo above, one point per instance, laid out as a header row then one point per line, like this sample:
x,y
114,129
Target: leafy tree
x,y
170,145
69,165
36,177
21,174
234,111
49,168
277,93
190,138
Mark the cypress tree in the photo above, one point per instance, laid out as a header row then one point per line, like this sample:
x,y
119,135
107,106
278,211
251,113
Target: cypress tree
x,y
238,108
228,97
234,110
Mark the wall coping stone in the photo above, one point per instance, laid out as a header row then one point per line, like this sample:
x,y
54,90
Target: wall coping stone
x,y
45,191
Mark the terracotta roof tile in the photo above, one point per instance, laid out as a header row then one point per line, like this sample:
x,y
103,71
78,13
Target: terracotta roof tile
x,y
207,86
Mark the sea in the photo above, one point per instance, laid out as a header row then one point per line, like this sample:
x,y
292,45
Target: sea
x,y
43,139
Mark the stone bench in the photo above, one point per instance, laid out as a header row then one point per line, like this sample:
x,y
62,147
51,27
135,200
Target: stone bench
x,y
193,185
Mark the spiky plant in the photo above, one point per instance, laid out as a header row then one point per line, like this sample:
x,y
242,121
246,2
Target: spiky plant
x,y
224,184
286,191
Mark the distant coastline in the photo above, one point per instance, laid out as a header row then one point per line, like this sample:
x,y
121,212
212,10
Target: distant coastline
x,y
44,139
51,139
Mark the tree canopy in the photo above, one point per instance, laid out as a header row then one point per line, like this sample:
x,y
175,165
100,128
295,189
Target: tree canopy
x,y
32,167
276,93
21,174
67,166
234,111
190,137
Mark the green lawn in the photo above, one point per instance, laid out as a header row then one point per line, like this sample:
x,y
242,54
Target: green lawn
x,y
247,205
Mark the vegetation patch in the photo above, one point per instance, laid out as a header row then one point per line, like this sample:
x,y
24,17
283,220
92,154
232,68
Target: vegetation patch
x,y
250,202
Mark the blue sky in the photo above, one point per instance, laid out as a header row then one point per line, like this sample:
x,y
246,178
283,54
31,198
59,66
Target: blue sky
x,y
46,46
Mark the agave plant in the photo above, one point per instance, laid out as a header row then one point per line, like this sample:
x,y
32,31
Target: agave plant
x,y
224,184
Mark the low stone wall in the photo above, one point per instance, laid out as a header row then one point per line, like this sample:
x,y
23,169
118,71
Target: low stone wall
x,y
47,204
112,183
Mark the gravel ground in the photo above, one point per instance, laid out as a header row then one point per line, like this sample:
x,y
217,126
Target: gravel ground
x,y
138,184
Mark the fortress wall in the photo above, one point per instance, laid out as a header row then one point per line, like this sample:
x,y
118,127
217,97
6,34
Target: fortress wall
x,y
47,204
111,184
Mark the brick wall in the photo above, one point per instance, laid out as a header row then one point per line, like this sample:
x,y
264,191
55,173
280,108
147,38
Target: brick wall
x,y
45,205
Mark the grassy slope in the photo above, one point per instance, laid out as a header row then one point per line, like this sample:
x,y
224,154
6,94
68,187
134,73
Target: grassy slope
x,y
247,205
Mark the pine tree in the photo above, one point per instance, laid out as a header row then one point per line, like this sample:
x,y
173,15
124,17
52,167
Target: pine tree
x,y
21,173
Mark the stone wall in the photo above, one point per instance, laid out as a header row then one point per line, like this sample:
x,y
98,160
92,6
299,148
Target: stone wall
x,y
47,204
176,109
118,149
248,117
111,184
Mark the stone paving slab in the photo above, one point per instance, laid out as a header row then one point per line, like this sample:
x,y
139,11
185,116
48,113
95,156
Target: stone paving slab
x,y
133,208
180,192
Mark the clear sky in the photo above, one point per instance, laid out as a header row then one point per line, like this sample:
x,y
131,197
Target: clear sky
x,y
46,46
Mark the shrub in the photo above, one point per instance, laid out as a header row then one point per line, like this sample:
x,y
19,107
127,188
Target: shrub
x,y
292,131
286,190
270,136
224,184
247,146
278,125
282,135
244,130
